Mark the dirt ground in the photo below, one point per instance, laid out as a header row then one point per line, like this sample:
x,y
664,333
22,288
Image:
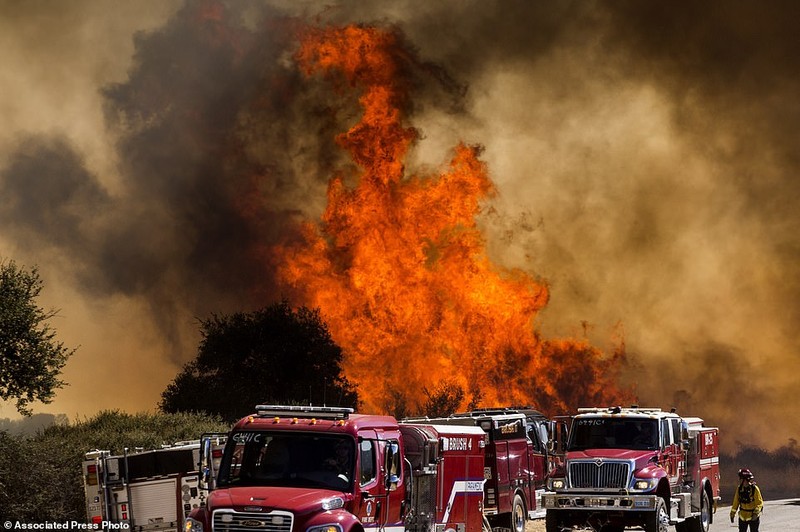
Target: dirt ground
x,y
535,525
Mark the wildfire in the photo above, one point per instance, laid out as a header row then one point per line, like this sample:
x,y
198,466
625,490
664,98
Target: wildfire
x,y
399,269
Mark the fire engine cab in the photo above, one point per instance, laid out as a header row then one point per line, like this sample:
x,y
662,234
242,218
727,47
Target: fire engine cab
x,y
635,467
327,469
516,461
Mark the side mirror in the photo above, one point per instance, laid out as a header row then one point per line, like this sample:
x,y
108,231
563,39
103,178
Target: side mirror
x,y
544,435
549,431
205,463
210,454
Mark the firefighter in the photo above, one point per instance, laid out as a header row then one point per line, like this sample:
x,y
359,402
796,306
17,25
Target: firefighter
x,y
339,462
747,499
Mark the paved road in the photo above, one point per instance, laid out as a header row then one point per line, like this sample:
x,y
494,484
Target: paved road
x,y
779,516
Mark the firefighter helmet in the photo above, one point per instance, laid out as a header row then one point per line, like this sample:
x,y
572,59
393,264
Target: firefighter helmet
x,y
745,473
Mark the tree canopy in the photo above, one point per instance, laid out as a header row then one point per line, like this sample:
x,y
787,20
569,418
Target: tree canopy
x,y
273,355
30,357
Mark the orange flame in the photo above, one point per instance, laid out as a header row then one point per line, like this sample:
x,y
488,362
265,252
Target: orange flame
x,y
399,268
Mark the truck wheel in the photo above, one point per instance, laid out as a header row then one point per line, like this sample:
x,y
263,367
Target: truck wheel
x,y
658,521
551,523
486,526
702,522
516,521
705,512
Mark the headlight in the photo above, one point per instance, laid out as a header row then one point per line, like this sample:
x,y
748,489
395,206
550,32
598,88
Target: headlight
x,y
644,485
192,525
332,504
557,483
325,528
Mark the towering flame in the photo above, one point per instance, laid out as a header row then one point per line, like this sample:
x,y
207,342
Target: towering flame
x,y
399,269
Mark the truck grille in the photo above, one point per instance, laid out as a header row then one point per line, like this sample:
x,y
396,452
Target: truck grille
x,y
596,474
275,521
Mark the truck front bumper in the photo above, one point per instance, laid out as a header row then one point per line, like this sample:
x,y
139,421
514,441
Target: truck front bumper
x,y
595,501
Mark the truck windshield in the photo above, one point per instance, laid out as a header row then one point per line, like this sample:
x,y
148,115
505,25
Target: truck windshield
x,y
295,459
613,433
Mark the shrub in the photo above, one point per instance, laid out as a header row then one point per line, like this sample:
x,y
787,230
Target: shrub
x,y
41,475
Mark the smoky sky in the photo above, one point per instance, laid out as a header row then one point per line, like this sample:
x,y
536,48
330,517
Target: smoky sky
x,y
645,156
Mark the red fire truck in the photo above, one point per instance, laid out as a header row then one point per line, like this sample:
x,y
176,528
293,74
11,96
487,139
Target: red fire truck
x,y
150,490
516,463
326,469
635,467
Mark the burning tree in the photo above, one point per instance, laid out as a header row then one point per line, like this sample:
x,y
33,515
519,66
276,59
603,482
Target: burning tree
x,y
399,268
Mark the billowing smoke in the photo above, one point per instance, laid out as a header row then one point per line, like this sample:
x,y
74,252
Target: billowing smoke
x,y
644,155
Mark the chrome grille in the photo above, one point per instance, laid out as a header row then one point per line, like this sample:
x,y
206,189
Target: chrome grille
x,y
274,521
599,474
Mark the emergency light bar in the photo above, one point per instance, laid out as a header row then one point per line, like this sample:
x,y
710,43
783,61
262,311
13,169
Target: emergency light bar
x,y
617,410
322,412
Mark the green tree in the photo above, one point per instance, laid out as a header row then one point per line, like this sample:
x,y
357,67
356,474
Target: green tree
x,y
273,355
30,358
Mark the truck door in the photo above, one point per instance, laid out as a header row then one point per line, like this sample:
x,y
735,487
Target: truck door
x,y
381,482
558,438
370,491
503,476
537,464
671,457
678,448
393,481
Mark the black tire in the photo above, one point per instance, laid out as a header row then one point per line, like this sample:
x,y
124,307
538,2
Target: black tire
x,y
486,527
702,522
658,521
551,523
516,520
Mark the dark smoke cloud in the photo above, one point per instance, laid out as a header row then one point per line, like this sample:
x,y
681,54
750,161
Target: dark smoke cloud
x,y
221,150
49,212
645,155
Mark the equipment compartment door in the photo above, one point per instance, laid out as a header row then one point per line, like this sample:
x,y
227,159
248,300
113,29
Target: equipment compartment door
x,y
154,503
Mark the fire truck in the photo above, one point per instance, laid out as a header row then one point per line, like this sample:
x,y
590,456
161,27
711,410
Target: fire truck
x,y
327,469
150,490
635,467
516,461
